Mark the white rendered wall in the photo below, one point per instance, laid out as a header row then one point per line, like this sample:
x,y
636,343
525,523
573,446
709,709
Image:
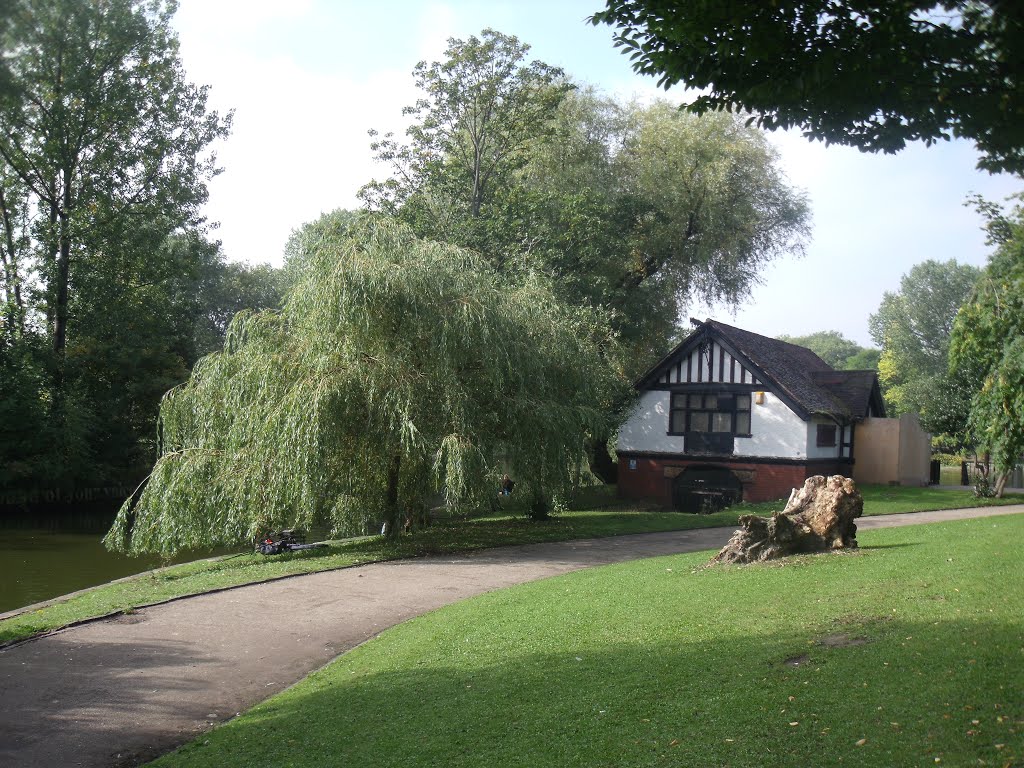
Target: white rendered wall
x,y
776,430
645,429
823,452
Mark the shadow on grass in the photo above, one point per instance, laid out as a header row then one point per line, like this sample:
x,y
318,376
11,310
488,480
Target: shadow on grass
x,y
890,546
913,690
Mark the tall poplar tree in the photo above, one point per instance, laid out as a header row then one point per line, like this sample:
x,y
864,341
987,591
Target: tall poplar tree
x,y
104,153
103,133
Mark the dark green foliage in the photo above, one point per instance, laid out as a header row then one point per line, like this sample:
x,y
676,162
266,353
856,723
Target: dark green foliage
x,y
224,290
24,427
105,271
837,350
988,345
635,211
913,328
873,75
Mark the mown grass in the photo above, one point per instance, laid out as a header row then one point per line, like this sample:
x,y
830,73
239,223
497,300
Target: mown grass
x,y
603,516
908,652
891,500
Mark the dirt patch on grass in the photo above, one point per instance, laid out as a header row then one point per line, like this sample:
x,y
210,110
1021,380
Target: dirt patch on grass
x,y
833,640
841,640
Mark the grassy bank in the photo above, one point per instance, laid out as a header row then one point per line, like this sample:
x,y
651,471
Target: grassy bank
x,y
907,652
603,517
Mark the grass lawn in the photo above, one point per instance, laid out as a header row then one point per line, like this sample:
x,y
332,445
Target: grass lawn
x,y
907,652
891,500
602,516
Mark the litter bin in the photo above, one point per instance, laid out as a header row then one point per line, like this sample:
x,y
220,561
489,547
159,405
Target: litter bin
x,y
935,472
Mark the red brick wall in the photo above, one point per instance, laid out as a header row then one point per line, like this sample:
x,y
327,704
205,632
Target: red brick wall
x,y
647,481
770,481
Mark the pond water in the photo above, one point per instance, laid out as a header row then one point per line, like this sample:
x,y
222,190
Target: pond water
x,y
36,565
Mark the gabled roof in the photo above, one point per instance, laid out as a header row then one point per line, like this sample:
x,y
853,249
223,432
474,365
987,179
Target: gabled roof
x,y
805,382
859,390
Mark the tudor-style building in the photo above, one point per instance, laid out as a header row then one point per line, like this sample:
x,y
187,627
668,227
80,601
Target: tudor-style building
x,y
731,414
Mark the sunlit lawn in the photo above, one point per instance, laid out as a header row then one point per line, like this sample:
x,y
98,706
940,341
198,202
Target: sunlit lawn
x,y
907,652
598,514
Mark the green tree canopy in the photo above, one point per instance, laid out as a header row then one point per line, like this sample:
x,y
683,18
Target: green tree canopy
x,y
873,75
913,327
484,107
397,369
643,210
837,350
988,343
633,210
103,132
104,160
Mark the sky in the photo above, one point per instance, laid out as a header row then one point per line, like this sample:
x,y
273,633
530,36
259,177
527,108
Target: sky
x,y
308,78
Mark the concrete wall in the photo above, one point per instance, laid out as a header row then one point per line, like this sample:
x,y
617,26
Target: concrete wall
x,y
915,451
891,451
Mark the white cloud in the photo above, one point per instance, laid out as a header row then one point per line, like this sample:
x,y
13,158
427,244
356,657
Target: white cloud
x,y
299,145
238,16
438,22
309,77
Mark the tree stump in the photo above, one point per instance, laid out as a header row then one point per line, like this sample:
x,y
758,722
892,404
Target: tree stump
x,y
818,517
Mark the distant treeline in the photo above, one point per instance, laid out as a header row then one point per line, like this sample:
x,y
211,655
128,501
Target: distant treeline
x,y
59,496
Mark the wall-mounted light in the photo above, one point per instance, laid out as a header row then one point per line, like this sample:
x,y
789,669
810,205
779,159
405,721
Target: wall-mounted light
x,y
759,398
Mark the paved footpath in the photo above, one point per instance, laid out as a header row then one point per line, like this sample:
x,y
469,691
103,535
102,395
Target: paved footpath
x,y
121,691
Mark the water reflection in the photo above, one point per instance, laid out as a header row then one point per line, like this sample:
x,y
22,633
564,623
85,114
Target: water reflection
x,y
36,565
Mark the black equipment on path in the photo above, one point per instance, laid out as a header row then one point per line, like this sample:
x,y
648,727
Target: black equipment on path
x,y
286,540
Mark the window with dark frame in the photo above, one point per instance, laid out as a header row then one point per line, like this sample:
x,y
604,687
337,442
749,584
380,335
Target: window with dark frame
x,y
826,436
710,412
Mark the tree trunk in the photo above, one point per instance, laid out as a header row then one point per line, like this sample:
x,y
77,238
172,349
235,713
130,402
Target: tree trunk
x,y
1000,485
16,316
818,518
602,464
392,515
60,324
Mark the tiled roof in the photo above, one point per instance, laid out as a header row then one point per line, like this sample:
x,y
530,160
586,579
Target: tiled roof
x,y
800,377
858,390
788,366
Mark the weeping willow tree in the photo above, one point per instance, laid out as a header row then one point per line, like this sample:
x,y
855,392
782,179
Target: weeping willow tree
x,y
398,371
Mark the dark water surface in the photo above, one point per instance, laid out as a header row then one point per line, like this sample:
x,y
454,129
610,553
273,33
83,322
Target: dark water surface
x,y
36,565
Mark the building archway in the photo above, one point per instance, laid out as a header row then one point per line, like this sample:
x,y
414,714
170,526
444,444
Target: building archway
x,y
705,489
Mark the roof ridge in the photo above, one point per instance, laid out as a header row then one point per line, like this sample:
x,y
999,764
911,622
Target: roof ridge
x,y
793,370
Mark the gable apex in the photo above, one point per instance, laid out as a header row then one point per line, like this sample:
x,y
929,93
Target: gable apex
x,y
703,357
717,353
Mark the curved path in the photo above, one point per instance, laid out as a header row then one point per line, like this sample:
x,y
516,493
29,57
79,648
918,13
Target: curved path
x,y
121,691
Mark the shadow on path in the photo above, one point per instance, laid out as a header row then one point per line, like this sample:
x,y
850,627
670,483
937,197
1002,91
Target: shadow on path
x,y
123,690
